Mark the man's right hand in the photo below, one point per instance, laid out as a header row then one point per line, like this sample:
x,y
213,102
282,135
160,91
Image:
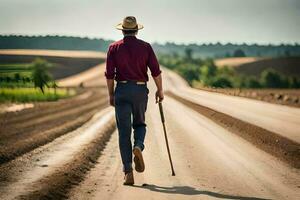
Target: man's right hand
x,y
159,96
112,100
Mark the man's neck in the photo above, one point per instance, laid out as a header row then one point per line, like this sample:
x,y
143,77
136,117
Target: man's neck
x,y
130,34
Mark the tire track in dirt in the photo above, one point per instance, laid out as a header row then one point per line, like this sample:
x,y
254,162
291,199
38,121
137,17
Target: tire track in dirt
x,y
63,163
23,137
284,149
27,126
47,108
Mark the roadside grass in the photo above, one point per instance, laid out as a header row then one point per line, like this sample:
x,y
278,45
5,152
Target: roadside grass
x,y
33,95
19,84
16,67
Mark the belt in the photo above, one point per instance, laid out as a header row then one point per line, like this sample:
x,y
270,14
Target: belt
x,y
136,82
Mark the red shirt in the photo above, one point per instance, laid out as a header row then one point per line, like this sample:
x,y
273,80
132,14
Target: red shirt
x,y
129,59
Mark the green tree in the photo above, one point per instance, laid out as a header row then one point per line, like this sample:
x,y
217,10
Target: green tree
x,y
239,53
188,53
294,82
189,72
207,72
221,82
40,74
252,82
271,79
17,77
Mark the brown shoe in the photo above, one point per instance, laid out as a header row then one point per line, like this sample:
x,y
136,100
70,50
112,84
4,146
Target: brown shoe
x,y
138,159
128,179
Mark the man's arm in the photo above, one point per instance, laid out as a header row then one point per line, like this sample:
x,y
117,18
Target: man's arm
x,y
110,87
159,95
156,74
110,74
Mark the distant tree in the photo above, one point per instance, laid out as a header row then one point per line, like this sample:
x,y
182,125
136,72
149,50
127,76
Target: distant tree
x,y
54,86
189,72
174,54
27,79
239,53
252,82
287,53
17,77
40,74
188,53
294,82
271,79
221,82
207,72
227,55
8,79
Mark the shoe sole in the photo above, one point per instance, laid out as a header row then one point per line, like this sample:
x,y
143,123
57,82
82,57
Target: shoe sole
x,y
128,183
138,160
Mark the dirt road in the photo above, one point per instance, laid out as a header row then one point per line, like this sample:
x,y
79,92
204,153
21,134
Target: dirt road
x,y
211,161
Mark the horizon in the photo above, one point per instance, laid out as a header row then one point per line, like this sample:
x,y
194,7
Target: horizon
x,y
257,22
159,43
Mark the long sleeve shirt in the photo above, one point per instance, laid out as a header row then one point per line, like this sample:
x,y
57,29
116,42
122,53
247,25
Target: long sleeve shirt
x,y
129,59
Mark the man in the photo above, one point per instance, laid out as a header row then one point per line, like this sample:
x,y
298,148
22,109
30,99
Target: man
x,y
127,62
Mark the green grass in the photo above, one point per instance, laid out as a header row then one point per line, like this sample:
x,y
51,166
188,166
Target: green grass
x,y
19,84
15,67
32,94
12,73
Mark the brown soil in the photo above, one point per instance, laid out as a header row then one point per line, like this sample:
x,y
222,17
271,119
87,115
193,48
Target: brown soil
x,y
287,66
62,66
283,148
234,62
28,129
289,97
57,185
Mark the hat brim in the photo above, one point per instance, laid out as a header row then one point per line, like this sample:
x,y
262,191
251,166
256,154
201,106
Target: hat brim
x,y
120,27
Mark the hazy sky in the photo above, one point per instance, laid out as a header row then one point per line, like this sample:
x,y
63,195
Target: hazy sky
x,y
180,21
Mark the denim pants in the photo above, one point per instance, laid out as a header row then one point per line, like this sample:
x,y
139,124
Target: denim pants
x,y
130,106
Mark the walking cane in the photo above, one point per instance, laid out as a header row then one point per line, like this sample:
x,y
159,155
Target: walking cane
x,y
166,137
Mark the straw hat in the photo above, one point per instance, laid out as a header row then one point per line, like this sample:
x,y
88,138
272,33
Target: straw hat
x,y
129,23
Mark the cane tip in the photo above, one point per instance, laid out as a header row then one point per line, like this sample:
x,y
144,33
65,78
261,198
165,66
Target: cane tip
x,y
173,174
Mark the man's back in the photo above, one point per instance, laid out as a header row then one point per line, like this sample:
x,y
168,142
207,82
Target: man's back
x,y
127,62
128,59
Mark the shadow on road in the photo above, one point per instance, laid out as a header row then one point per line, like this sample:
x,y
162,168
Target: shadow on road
x,y
187,190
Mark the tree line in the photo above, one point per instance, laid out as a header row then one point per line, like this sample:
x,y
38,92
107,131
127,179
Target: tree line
x,y
39,77
210,50
204,73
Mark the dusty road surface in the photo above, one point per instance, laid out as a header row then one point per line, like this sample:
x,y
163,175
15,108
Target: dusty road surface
x,y
282,120
211,161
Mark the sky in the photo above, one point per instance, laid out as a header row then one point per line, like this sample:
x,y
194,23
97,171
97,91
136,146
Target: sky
x,y
179,21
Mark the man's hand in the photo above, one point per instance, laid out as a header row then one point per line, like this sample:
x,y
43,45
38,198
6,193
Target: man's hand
x,y
159,96
110,87
112,100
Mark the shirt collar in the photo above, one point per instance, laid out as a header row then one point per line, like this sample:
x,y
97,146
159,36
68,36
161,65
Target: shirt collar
x,y
129,38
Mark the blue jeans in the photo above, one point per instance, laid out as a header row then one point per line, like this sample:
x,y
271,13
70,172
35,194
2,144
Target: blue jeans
x,y
130,107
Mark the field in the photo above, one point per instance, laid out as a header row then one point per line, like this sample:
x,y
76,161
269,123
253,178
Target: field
x,y
32,94
65,63
286,66
16,71
234,62
67,149
254,66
